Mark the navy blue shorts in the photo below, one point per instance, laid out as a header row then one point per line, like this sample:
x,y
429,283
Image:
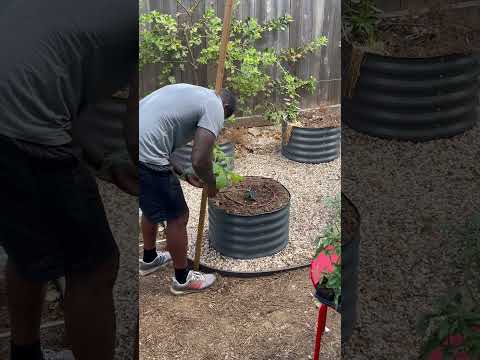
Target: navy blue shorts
x,y
161,196
53,221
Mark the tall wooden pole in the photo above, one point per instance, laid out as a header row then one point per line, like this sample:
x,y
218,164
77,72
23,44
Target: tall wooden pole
x,y
227,18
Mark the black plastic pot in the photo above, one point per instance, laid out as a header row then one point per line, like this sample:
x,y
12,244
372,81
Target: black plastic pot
x,y
327,297
311,145
248,237
183,155
414,99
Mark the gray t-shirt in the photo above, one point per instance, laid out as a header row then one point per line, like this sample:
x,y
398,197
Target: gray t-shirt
x,y
58,56
169,118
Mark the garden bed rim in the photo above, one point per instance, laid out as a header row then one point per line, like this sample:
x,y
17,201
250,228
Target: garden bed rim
x,y
368,51
286,123
210,202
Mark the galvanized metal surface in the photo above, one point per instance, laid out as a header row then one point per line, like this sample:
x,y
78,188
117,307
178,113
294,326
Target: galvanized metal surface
x,y
248,237
309,145
183,156
350,261
415,99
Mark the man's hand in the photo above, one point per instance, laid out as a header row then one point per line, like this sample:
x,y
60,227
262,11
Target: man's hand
x,y
125,177
212,191
194,180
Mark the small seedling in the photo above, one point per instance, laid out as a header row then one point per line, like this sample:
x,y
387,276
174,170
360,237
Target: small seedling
x,y
250,195
221,169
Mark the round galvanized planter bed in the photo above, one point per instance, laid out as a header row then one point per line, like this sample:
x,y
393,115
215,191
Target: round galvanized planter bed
x,y
248,237
414,99
350,260
311,145
183,155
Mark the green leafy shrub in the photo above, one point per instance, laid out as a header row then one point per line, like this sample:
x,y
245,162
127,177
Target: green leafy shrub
x,y
247,69
359,22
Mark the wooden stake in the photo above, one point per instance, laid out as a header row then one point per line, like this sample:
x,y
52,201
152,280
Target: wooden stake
x,y
218,88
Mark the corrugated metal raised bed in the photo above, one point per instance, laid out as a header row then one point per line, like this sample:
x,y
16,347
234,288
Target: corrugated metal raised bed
x,y
350,260
310,145
414,99
183,156
251,228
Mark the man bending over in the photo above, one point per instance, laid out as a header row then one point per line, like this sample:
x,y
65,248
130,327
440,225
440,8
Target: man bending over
x,y
170,118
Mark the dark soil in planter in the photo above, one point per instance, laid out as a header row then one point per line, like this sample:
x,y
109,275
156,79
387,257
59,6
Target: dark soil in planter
x,y
321,118
435,33
269,195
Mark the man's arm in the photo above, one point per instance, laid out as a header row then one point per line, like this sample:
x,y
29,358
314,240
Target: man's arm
x,y
202,159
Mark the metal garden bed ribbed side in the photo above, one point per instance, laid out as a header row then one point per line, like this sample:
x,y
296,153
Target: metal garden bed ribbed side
x,y
311,145
414,99
350,261
183,155
248,237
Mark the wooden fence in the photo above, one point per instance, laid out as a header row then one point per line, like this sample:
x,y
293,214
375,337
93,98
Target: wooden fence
x,y
312,18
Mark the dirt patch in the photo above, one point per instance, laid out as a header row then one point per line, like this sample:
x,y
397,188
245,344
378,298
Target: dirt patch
x,y
435,33
235,135
253,196
268,318
328,117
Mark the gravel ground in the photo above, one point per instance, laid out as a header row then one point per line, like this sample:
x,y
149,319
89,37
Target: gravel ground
x,y
122,215
410,198
309,185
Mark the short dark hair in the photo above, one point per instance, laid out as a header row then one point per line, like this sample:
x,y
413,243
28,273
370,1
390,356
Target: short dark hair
x,y
229,102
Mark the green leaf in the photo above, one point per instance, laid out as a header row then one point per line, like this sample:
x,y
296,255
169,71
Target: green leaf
x,y
221,181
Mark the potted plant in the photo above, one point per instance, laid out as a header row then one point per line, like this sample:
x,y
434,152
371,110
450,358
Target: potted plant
x,y
408,77
339,248
250,219
452,329
313,138
329,288
307,136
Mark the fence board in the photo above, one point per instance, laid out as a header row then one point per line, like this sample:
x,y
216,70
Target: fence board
x,y
312,18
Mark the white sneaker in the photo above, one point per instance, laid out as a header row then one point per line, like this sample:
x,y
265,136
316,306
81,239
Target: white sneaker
x,y
196,281
58,355
162,259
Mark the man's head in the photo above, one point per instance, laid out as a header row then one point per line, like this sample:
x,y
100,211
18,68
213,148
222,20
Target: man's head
x,y
229,103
